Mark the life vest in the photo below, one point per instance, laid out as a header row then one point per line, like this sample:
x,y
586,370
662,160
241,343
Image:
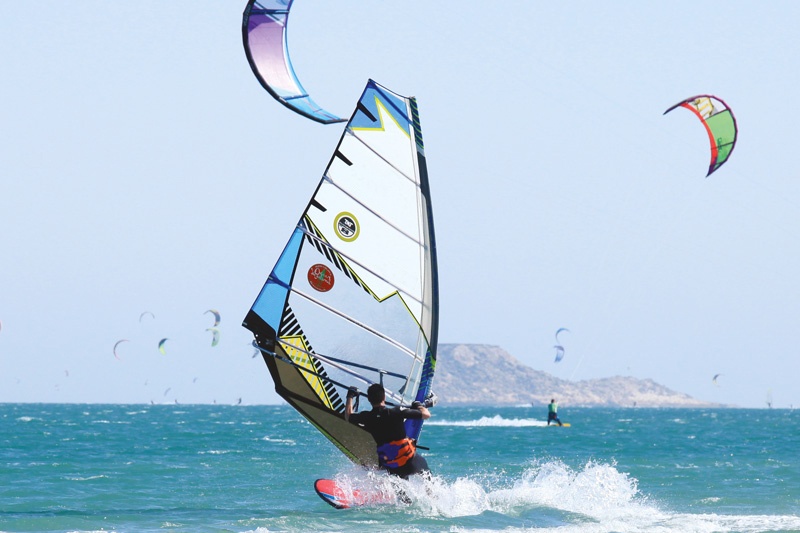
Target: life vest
x,y
396,453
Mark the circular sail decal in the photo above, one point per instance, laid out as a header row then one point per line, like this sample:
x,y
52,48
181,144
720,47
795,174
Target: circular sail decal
x,y
320,278
346,226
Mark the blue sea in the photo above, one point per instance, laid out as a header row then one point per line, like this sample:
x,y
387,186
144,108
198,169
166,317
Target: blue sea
x,y
198,468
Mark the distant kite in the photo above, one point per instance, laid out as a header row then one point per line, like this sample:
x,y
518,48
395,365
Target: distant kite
x,y
161,346
264,27
714,379
559,352
115,347
215,338
146,313
720,125
558,347
216,316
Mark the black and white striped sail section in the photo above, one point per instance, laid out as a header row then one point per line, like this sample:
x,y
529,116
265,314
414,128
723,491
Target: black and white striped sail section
x,y
357,279
299,350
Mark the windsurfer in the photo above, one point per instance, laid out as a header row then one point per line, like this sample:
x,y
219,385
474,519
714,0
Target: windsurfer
x,y
552,412
397,454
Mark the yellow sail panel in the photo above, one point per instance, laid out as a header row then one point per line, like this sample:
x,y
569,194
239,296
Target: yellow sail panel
x,y
300,356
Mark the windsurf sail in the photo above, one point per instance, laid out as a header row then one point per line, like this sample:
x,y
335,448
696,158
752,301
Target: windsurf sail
x,y
264,27
353,298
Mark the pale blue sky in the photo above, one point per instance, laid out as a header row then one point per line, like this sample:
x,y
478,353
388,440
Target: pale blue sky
x,y
143,168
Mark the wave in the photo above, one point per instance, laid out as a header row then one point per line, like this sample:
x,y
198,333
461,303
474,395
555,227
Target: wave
x,y
87,478
290,442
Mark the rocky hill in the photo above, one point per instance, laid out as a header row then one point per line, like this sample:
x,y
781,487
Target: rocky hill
x,y
478,373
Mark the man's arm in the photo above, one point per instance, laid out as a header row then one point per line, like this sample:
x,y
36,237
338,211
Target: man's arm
x,y
352,392
348,408
424,414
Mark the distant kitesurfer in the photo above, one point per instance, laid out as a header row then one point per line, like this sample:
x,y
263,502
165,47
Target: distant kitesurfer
x,y
397,454
552,412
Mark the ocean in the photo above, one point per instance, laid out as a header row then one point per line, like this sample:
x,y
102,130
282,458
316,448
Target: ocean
x,y
210,468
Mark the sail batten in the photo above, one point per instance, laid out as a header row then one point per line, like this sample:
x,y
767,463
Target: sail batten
x,y
301,368
390,394
353,297
343,364
365,206
358,323
324,359
399,171
337,251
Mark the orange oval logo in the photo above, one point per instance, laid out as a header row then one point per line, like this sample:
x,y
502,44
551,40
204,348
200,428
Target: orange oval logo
x,y
320,278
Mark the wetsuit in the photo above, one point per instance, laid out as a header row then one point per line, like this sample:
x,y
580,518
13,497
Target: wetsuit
x,y
396,452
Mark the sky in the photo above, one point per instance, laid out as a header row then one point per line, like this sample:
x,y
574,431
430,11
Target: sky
x,y
143,168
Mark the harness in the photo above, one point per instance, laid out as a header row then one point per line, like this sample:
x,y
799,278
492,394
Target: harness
x,y
396,453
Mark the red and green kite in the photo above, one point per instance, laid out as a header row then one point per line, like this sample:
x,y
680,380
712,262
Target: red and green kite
x,y
720,125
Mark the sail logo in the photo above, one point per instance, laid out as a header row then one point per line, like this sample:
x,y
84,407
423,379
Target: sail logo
x,y
320,278
346,226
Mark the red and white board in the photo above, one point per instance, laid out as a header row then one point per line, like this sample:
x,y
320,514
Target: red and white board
x,y
344,498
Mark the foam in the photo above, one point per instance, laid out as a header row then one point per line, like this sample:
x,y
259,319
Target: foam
x,y
594,498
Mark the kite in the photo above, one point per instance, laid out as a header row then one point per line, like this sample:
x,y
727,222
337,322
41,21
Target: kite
x,y
264,27
559,352
117,344
215,338
216,317
161,346
558,347
146,313
720,125
714,379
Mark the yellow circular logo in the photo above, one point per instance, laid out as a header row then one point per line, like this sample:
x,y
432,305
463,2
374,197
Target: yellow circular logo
x,y
346,226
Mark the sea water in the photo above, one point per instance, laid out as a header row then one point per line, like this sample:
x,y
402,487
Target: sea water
x,y
66,467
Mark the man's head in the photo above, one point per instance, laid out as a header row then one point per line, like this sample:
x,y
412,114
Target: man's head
x,y
552,400
376,394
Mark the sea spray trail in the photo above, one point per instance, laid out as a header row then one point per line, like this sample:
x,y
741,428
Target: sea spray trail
x,y
206,468
549,496
493,421
595,491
